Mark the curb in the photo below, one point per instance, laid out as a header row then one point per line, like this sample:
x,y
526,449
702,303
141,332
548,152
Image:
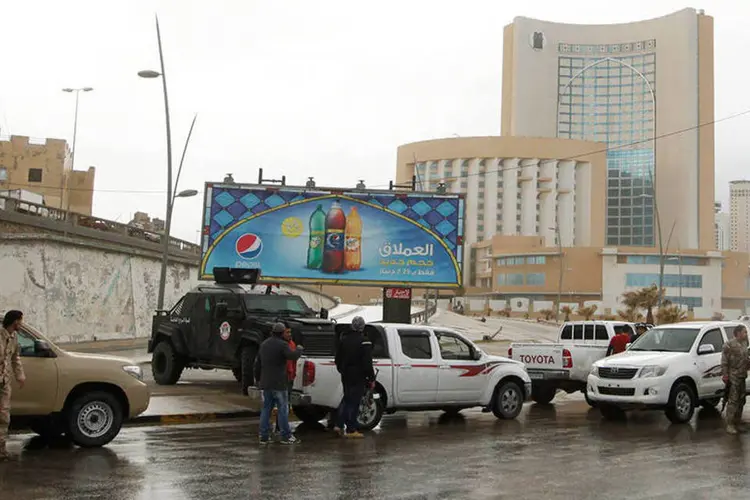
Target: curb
x,y
192,418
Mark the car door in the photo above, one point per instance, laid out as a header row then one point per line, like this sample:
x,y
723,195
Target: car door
x,y
709,364
417,374
39,393
201,340
461,379
225,336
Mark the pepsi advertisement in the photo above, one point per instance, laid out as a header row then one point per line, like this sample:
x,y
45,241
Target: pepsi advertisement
x,y
316,235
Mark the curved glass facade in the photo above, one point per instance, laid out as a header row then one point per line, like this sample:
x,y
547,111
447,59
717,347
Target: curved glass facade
x,y
605,94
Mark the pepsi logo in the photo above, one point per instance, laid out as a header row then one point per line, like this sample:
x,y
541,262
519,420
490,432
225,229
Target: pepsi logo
x,y
249,246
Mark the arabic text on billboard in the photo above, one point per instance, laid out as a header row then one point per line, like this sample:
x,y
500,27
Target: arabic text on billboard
x,y
317,236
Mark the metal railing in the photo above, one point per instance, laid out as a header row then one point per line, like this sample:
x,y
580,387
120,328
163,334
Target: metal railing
x,y
422,316
9,204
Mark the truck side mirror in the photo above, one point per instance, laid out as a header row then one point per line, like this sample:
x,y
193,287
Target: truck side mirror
x,y
42,349
323,313
477,354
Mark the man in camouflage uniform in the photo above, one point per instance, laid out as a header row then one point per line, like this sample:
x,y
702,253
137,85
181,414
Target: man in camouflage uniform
x,y
734,365
10,365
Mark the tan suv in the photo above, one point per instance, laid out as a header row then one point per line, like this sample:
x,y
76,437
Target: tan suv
x,y
85,396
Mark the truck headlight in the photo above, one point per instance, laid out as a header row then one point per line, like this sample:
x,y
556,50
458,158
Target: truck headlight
x,y
652,371
594,370
134,370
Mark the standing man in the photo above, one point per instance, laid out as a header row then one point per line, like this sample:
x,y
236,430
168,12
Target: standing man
x,y
734,366
271,371
354,363
619,341
10,365
291,371
640,329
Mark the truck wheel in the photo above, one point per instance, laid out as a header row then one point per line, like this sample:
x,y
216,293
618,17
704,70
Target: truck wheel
x,y
508,401
166,365
542,394
591,402
370,413
611,412
237,372
681,404
309,414
48,427
247,360
94,419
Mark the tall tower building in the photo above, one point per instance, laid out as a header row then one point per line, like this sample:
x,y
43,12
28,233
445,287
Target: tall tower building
x,y
631,87
739,213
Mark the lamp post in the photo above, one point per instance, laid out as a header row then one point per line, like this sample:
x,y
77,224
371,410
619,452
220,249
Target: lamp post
x,y
170,198
72,153
562,269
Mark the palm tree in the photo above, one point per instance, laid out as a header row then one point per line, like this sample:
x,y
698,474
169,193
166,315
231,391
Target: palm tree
x,y
546,313
630,315
588,311
670,313
649,298
631,300
567,311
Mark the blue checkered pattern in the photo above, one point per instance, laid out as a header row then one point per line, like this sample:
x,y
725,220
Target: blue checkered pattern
x,y
441,215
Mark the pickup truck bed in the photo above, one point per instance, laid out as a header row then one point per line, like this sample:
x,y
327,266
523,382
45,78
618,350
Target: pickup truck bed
x,y
565,365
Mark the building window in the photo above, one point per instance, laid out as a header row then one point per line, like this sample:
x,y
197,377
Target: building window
x,y
686,301
535,279
514,279
501,279
35,175
3,174
537,259
641,280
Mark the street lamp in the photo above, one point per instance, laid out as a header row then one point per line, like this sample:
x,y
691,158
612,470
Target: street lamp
x,y
170,199
556,229
72,153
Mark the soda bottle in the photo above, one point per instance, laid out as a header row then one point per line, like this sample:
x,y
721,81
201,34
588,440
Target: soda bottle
x,y
353,245
333,249
317,233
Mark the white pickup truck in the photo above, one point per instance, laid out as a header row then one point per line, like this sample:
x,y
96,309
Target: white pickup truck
x,y
418,368
673,368
566,364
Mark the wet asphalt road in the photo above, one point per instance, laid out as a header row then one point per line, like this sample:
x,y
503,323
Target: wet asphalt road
x,y
561,452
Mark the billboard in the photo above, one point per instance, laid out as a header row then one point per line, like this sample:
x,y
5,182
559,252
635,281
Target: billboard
x,y
319,235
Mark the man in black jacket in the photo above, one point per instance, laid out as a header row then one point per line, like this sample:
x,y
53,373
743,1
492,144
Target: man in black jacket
x,y
354,363
270,371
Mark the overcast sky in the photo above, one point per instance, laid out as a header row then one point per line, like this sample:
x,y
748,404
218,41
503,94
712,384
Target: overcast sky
x,y
327,88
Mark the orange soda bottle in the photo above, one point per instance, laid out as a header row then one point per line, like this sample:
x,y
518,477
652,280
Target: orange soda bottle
x,y
353,239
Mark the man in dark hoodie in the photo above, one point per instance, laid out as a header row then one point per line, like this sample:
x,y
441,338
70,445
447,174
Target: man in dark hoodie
x,y
271,372
354,363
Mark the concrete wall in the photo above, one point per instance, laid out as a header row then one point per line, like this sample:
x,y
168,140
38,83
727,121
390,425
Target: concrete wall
x,y
76,291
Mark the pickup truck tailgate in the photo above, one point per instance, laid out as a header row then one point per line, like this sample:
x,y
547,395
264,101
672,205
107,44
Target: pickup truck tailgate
x,y
539,356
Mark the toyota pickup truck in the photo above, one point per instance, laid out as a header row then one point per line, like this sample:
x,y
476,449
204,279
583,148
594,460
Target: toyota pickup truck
x,y
418,368
674,368
565,365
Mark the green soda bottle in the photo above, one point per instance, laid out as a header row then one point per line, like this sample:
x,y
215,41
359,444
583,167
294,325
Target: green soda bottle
x,y
317,233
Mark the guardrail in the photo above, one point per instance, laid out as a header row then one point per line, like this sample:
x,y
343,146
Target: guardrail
x,y
422,316
88,221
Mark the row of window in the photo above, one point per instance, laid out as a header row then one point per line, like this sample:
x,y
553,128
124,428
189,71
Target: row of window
x,y
519,261
670,259
692,302
520,279
641,280
35,174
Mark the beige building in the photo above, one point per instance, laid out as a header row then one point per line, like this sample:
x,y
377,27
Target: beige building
x,y
516,185
44,167
630,86
524,274
739,215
